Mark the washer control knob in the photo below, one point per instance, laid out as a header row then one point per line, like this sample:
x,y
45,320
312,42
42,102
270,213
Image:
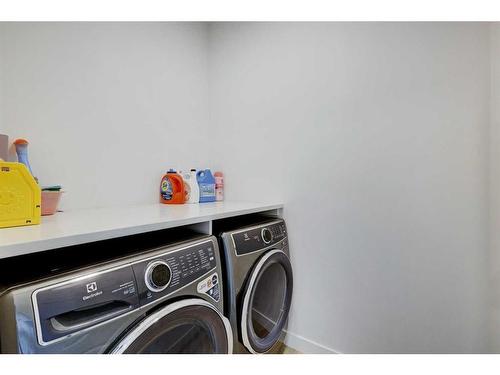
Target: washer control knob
x,y
267,236
158,276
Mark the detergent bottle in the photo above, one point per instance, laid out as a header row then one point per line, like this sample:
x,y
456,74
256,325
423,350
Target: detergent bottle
x,y
172,188
219,186
186,186
22,153
206,183
191,186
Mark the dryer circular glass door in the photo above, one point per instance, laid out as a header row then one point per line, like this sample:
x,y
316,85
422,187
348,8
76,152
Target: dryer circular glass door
x,y
190,326
266,302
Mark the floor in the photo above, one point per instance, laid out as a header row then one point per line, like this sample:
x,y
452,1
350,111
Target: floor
x,y
283,349
288,350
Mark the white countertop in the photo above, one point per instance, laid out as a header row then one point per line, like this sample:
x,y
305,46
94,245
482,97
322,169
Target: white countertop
x,y
88,225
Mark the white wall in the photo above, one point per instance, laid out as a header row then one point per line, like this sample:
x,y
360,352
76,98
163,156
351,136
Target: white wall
x,y
107,107
374,136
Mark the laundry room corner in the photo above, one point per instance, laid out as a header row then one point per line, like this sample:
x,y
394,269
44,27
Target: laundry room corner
x,y
365,189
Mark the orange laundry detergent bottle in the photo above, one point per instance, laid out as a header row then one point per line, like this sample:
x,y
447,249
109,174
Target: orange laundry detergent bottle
x,y
172,188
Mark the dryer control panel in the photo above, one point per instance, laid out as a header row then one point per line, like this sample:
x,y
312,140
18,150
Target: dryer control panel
x,y
257,238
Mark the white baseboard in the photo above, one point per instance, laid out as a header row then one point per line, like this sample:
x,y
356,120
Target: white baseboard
x,y
297,342
306,346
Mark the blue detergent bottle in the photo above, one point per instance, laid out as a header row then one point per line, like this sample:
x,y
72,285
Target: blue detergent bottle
x,y
206,182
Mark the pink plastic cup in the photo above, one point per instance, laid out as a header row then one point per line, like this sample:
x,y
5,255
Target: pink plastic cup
x,y
50,202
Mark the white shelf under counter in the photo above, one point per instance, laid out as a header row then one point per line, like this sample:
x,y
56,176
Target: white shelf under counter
x,y
76,227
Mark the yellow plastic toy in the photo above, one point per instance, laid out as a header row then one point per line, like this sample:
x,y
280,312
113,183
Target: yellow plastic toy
x,y
20,196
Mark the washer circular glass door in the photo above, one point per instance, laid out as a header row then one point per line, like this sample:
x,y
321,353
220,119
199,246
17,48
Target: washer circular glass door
x,y
266,302
190,326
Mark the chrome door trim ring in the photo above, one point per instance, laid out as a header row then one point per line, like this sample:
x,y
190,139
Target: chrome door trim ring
x,y
248,294
155,317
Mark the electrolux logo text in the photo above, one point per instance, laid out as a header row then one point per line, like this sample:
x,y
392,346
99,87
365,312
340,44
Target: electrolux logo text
x,y
92,288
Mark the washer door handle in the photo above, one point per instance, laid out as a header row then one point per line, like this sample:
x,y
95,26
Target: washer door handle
x,y
79,319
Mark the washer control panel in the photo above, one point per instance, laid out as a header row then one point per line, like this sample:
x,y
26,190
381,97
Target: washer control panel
x,y
165,274
257,238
